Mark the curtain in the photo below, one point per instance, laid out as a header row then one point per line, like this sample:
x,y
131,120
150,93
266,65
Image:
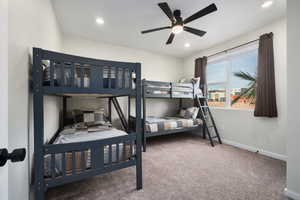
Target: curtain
x,y
265,105
200,71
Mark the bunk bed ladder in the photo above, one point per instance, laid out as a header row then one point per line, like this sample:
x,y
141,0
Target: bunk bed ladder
x,y
120,113
208,121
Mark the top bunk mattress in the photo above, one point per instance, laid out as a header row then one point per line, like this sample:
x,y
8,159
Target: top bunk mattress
x,y
155,124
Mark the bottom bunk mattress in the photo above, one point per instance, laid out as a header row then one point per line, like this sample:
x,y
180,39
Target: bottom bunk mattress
x,y
83,162
154,124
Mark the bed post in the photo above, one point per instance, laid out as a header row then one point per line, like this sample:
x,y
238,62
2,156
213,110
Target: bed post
x,y
180,104
139,172
64,112
144,117
109,109
38,106
129,108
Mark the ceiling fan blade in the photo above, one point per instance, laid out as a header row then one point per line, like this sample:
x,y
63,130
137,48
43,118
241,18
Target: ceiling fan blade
x,y
167,10
155,29
194,31
209,9
170,40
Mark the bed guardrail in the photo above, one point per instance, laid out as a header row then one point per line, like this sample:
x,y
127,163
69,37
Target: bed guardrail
x,y
63,73
157,89
66,163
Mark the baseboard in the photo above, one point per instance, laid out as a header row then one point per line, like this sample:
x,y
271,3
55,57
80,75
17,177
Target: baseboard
x,y
291,194
254,149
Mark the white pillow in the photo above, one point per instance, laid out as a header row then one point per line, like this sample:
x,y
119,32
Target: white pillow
x,y
88,117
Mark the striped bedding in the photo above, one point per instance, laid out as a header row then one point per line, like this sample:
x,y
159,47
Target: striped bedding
x,y
70,136
154,124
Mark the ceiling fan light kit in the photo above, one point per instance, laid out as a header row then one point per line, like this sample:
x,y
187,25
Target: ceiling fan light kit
x,y
178,24
177,29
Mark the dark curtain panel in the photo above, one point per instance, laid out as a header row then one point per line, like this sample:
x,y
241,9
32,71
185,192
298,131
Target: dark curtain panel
x,y
265,105
200,71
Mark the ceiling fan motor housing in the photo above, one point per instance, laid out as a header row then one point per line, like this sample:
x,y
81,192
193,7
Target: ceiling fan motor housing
x,y
177,16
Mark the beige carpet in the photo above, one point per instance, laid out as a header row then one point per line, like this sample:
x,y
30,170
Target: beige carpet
x,y
184,166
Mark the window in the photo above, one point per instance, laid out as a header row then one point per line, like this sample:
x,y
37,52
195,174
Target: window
x,y
231,79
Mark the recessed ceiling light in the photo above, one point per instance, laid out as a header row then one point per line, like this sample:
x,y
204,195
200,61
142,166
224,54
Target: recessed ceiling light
x,y
187,45
267,4
99,20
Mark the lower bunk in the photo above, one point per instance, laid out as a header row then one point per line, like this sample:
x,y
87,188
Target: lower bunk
x,y
78,154
160,125
157,126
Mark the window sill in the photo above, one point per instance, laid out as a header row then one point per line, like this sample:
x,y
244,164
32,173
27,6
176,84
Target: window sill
x,y
231,109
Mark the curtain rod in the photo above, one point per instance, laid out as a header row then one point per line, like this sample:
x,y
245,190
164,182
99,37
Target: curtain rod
x,y
224,51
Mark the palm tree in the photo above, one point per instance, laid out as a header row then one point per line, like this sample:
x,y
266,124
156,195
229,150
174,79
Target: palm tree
x,y
250,92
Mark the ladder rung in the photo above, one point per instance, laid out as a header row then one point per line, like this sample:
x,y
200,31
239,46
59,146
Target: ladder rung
x,y
214,137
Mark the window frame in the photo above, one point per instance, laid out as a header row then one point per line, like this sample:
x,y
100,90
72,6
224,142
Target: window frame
x,y
228,56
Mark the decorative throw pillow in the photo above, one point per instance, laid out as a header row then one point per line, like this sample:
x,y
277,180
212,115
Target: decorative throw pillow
x,y
100,115
191,112
77,116
88,117
196,81
182,113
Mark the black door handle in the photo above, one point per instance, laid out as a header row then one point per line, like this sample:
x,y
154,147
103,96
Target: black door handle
x,y
17,155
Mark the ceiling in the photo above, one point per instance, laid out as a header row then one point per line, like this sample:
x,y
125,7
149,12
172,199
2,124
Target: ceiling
x,y
124,19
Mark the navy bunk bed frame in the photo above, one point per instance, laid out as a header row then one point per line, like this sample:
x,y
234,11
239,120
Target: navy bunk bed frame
x,y
99,86
172,91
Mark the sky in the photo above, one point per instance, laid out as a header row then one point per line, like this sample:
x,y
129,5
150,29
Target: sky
x,y
216,71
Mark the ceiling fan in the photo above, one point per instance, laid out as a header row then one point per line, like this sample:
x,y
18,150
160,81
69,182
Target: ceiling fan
x,y
178,24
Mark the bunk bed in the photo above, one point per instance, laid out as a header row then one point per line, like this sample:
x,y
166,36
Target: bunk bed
x,y
153,126
202,118
70,157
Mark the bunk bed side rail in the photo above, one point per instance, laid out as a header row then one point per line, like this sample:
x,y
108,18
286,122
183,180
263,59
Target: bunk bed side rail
x,y
156,89
75,161
52,55
184,85
167,132
60,73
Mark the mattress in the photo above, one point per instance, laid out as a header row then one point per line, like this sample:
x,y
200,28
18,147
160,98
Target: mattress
x,y
71,136
154,124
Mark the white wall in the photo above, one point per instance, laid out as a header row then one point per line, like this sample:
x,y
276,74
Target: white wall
x,y
293,88
241,127
32,23
4,95
154,67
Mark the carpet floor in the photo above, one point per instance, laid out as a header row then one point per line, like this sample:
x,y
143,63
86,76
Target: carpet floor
x,y
185,167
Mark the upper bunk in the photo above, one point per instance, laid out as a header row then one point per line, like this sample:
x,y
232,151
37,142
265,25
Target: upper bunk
x,y
169,90
61,74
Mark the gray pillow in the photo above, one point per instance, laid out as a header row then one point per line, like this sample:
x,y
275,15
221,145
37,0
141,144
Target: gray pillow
x,y
192,112
189,113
